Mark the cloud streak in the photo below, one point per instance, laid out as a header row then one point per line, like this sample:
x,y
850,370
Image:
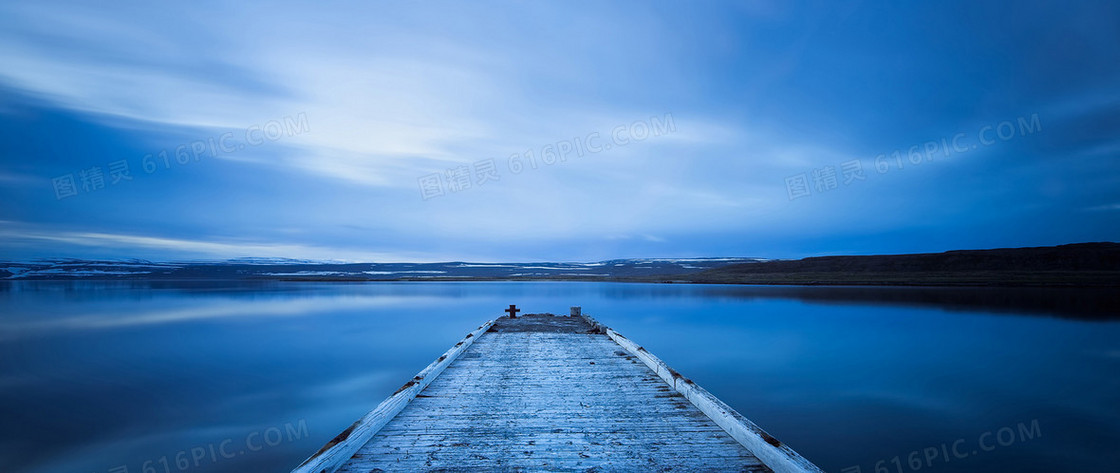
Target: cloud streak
x,y
394,92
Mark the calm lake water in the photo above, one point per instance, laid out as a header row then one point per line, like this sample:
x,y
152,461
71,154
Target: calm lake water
x,y
231,377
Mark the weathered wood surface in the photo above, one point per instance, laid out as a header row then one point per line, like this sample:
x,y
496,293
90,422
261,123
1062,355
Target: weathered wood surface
x,y
344,445
559,394
775,454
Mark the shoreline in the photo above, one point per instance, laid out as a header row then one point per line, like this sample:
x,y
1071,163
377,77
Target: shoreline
x,y
1063,280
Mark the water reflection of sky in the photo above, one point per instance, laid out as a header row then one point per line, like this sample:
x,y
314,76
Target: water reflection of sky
x,y
94,376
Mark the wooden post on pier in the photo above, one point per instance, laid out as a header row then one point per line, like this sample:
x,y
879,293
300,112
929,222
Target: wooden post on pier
x,y
513,310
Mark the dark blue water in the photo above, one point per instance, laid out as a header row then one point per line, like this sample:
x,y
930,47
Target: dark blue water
x,y
225,377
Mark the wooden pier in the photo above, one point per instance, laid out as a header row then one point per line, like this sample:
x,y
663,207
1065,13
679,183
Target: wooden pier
x,y
552,393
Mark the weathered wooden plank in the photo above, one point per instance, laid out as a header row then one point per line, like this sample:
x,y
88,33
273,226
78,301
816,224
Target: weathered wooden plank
x,y
550,398
778,456
557,394
344,445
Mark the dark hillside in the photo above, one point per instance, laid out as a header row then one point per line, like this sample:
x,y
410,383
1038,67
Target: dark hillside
x,y
1094,264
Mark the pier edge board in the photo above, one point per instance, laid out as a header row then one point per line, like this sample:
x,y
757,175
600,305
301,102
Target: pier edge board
x,y
775,454
339,450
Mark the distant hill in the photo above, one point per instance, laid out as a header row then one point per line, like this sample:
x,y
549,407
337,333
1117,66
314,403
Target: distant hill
x,y
1096,264
1083,264
301,270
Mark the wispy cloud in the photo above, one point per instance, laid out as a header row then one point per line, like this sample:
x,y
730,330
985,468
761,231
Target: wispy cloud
x,y
395,91
175,248
1103,208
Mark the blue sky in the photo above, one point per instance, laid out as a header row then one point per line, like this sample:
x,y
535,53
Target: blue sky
x,y
344,130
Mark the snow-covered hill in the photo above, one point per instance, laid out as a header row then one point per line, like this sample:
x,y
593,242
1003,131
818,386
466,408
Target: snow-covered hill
x,y
257,268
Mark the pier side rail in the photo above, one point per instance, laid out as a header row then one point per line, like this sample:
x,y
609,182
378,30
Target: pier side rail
x,y
337,451
775,454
